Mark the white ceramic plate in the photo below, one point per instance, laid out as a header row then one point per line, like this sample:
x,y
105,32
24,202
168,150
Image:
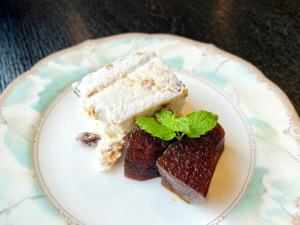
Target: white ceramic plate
x,y
271,197
68,173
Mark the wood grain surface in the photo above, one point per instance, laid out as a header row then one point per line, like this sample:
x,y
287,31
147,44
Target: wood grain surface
x,y
264,32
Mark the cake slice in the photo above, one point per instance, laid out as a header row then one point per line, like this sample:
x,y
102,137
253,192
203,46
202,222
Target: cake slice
x,y
142,151
187,167
118,93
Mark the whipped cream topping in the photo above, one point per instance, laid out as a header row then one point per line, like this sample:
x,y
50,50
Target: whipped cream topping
x,y
118,93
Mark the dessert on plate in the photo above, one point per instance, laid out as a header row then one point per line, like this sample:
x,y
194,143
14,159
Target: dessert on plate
x,y
135,104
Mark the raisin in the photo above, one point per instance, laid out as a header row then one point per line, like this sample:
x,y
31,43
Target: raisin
x,y
88,138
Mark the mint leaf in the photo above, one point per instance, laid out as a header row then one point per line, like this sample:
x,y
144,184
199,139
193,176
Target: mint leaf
x,y
156,129
166,126
200,122
168,119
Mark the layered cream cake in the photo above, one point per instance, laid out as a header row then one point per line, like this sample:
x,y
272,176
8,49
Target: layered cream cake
x,y
115,95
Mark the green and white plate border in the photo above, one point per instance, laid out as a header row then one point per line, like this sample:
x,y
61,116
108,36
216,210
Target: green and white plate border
x,y
273,196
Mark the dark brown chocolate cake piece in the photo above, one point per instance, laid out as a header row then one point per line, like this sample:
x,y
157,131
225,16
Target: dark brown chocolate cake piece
x,y
142,151
187,167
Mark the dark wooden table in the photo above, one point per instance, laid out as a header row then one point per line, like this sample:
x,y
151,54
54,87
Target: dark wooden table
x,y
264,32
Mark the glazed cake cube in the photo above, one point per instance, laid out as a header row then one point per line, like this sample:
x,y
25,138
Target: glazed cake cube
x,y
187,167
142,151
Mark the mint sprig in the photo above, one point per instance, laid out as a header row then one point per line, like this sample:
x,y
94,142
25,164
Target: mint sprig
x,y
167,126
